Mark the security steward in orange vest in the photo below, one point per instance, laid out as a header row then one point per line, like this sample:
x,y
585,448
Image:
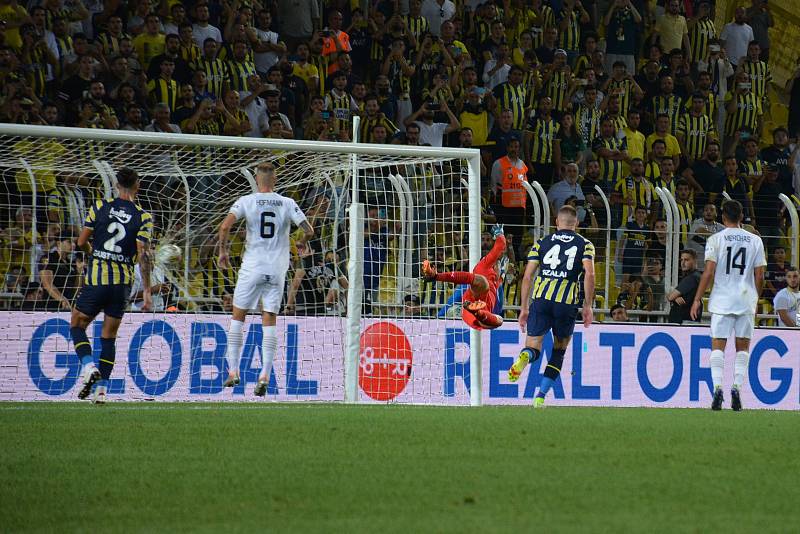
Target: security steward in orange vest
x,y
508,173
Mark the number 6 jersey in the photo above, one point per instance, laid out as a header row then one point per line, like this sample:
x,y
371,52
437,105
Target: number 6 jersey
x,y
737,253
269,217
116,227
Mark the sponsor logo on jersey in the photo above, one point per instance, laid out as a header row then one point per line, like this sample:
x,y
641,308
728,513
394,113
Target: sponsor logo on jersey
x,y
121,215
564,238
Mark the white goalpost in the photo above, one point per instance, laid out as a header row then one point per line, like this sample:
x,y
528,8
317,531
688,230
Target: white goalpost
x,y
358,325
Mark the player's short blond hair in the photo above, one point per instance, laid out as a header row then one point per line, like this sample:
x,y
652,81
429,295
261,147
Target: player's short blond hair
x,y
266,173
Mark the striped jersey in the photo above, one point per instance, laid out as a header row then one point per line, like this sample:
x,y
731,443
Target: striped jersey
x,y
544,132
696,132
560,257
116,227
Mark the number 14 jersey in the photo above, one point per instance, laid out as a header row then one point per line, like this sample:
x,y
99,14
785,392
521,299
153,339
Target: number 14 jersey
x,y
560,256
737,253
269,217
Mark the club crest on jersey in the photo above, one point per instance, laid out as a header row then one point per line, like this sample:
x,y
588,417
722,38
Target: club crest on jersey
x,y
564,238
121,215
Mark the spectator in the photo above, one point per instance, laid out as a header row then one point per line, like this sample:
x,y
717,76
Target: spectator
x,y
306,70
775,276
787,300
341,104
632,192
287,98
672,29
702,228
542,135
779,155
431,132
667,103
134,119
694,130
631,246
701,32
566,188
496,69
181,73
736,36
298,20
719,69
151,42
437,12
201,29
255,107
240,66
507,176
635,140
610,153
653,283
618,313
571,146
475,116
335,41
373,118
273,100
164,89
681,297
657,245
706,176
234,119
662,132
269,47
216,70
768,207
759,18
685,209
735,185
59,277
177,18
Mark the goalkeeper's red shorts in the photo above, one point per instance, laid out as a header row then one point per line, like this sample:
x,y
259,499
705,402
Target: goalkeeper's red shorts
x,y
489,298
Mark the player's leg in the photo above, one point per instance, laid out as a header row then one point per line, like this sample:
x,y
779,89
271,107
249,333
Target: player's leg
x,y
116,300
743,329
563,326
721,328
553,368
270,305
430,274
245,297
83,313
539,322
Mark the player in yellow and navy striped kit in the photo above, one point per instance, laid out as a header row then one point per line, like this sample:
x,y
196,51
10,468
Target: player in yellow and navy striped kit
x,y
120,231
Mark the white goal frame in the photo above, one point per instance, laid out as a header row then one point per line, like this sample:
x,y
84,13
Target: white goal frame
x,y
352,322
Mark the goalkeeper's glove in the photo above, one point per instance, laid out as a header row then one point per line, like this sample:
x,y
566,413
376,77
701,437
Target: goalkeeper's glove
x,y
497,230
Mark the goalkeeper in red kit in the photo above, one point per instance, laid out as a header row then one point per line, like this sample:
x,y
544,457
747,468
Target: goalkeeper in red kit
x,y
480,299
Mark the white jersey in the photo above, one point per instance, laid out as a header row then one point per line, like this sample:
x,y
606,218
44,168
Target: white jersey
x,y
269,217
737,253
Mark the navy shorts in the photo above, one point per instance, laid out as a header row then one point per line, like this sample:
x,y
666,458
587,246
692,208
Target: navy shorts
x,y
547,315
111,300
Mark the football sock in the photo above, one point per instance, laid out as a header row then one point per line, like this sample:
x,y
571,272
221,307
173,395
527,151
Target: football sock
x,y
234,353
82,346
530,353
551,372
269,346
456,277
717,366
108,354
740,368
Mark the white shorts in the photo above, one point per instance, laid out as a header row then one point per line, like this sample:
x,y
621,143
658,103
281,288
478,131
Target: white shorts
x,y
722,326
252,286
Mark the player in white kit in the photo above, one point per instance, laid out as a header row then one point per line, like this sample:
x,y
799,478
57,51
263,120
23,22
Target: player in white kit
x,y
269,217
735,258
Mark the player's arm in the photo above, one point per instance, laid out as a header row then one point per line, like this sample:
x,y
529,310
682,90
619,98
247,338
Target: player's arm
x,y
291,298
588,291
705,281
527,277
83,240
758,273
308,230
145,267
223,240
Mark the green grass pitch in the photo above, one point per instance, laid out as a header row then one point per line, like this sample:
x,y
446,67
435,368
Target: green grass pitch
x,y
337,468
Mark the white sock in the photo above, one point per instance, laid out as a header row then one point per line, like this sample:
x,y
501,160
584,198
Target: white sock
x,y
234,353
740,368
717,366
269,346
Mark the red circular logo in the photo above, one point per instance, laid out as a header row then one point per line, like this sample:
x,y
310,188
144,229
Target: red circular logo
x,y
385,358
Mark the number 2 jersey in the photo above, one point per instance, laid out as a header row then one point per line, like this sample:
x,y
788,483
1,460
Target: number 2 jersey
x,y
116,227
560,256
737,253
269,217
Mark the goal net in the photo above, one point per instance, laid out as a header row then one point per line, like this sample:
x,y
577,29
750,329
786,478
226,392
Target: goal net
x,y
356,324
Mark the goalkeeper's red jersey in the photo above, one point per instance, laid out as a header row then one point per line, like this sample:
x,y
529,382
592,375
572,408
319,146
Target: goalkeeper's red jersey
x,y
486,268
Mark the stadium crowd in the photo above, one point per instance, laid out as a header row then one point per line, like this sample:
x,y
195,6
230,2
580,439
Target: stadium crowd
x,y
621,96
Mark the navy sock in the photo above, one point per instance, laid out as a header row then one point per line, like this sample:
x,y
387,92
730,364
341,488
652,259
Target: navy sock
x,y
551,372
82,346
533,354
108,354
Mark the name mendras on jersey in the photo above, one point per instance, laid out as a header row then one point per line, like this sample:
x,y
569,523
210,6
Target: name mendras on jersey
x,y
737,237
269,202
102,255
554,273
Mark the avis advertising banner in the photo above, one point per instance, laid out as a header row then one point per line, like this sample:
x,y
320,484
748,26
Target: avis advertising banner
x,y
182,358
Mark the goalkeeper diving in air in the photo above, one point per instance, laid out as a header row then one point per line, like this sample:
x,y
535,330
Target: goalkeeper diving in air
x,y
480,299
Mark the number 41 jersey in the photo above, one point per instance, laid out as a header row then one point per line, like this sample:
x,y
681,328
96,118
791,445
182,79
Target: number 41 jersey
x,y
560,256
269,218
737,253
